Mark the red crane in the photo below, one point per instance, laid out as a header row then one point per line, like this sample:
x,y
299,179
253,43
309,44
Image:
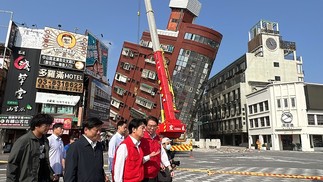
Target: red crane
x,y
170,126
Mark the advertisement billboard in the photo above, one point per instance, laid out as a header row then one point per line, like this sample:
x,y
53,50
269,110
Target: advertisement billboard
x,y
99,100
64,49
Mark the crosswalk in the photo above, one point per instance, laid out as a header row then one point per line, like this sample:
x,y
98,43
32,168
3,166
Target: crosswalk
x,y
202,176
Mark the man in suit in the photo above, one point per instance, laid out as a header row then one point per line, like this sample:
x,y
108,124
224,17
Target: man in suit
x,y
84,158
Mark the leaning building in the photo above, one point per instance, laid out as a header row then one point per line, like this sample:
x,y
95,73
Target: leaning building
x,y
189,50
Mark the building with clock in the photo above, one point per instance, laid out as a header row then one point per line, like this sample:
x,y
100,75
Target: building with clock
x,y
269,59
287,116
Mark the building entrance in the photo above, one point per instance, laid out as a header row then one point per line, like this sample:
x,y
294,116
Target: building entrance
x,y
287,141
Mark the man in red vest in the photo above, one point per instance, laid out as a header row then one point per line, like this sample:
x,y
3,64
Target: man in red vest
x,y
129,157
151,143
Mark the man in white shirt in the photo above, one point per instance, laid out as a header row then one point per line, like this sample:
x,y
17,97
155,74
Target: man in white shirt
x,y
116,139
56,150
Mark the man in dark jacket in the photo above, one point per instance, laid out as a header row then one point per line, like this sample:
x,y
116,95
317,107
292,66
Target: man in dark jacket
x,y
84,158
29,158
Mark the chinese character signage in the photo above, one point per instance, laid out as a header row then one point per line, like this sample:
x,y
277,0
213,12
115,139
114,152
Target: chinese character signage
x,y
64,49
29,38
58,79
7,121
20,92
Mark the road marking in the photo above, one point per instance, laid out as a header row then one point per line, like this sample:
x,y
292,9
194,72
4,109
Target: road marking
x,y
212,172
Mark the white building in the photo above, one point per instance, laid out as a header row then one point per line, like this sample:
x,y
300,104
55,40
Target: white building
x,y
223,107
287,116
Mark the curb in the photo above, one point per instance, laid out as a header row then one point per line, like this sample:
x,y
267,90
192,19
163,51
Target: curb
x,y
294,176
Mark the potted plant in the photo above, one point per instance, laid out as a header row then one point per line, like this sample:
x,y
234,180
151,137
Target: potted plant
x,y
299,146
252,146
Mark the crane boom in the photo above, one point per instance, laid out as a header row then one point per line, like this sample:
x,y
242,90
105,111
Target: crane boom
x,y
170,126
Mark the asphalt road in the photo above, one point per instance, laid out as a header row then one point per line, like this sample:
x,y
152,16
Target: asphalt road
x,y
230,164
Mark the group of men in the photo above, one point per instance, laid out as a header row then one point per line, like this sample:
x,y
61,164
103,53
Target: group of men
x,y
140,156
137,157
36,158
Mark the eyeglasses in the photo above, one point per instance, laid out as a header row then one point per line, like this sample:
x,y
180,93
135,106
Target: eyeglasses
x,y
152,126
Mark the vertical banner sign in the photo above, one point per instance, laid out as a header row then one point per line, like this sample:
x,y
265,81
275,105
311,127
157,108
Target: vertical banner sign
x,y
20,93
97,57
104,57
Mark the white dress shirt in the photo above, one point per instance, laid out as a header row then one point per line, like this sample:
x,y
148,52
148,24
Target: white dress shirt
x,y
114,142
122,154
56,152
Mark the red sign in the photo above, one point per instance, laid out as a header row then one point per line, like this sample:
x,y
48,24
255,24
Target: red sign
x,y
67,122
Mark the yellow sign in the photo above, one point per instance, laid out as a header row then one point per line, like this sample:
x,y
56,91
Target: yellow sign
x,y
61,85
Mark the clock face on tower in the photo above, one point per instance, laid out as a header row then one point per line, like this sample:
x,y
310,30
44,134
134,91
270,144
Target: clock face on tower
x,y
271,43
287,117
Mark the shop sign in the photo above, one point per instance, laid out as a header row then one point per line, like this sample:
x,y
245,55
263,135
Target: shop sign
x,y
67,122
61,85
59,99
60,74
14,120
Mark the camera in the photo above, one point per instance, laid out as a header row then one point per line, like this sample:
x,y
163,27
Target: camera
x,y
175,163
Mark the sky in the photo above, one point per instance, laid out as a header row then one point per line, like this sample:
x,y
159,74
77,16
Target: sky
x,y
117,21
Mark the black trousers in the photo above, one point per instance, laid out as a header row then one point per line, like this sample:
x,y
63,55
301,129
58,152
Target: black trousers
x,y
150,180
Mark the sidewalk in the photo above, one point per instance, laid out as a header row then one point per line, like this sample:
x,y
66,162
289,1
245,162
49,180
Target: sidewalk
x,y
226,149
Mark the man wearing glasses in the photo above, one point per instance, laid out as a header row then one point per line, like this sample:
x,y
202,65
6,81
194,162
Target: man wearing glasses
x,y
151,143
56,150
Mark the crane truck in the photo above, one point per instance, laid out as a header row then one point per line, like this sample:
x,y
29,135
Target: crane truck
x,y
170,126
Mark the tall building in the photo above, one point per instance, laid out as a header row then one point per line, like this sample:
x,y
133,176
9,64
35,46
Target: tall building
x,y
269,59
189,51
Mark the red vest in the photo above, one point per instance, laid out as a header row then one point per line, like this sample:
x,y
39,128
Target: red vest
x,y
149,145
133,167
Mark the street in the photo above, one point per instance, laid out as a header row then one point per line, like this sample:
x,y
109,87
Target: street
x,y
230,164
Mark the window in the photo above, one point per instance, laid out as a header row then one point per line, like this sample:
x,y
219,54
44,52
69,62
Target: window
x,y
256,123
311,120
277,78
144,102
292,100
266,106
278,103
261,106
119,90
285,103
319,119
121,78
148,74
255,108
136,113
267,121
262,121
276,64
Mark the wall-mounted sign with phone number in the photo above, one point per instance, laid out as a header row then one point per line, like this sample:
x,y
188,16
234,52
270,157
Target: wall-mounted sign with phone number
x,y
61,85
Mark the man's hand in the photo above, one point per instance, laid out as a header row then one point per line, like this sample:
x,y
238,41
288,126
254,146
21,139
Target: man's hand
x,y
153,154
